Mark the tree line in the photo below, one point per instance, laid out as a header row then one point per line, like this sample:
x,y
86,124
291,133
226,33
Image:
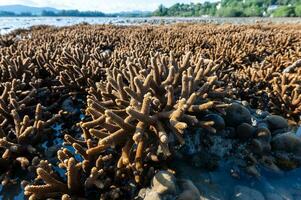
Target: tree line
x,y
234,8
61,13
76,13
224,8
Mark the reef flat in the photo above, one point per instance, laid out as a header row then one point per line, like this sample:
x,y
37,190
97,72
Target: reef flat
x,y
118,112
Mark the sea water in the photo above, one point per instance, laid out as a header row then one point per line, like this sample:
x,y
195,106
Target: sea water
x,y
7,24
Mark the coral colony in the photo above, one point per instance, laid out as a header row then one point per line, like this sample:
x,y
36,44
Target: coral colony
x,y
94,112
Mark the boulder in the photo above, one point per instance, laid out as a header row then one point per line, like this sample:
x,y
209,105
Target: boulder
x,y
245,131
260,146
152,195
287,142
276,122
263,134
219,122
164,182
189,191
237,114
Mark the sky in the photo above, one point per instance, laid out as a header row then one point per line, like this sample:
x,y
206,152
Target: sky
x,y
100,5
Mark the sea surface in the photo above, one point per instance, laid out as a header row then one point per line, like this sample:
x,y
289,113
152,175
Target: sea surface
x,y
8,24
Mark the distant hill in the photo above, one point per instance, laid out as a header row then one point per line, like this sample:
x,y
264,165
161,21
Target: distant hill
x,y
18,9
21,10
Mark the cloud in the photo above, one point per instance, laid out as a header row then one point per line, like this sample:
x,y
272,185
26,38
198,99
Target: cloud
x,y
100,5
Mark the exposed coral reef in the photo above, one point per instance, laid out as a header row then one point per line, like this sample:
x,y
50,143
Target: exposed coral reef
x,y
144,89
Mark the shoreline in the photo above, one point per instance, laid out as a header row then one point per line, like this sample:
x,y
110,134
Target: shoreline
x,y
9,24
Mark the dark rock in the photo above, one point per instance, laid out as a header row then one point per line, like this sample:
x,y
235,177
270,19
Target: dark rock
x,y
263,134
245,131
287,142
219,122
268,163
262,124
253,171
276,122
284,161
279,131
260,147
237,114
189,191
261,113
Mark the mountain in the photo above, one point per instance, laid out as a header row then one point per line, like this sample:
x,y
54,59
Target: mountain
x,y
18,9
21,10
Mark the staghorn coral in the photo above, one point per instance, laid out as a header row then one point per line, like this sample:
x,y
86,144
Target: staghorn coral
x,y
142,107
53,187
19,145
158,104
139,104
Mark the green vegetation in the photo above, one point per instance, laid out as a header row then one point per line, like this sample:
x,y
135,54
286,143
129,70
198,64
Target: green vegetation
x,y
62,13
298,10
7,14
284,11
234,8
186,10
222,8
76,13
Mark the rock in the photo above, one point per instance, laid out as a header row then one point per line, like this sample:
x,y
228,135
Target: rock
x,y
261,113
262,124
268,163
152,195
237,114
260,146
189,191
164,182
287,142
263,134
252,171
245,131
142,193
219,122
276,122
284,161
279,131
246,193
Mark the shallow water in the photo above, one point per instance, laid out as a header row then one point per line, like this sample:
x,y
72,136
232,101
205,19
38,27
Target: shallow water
x,y
219,184
8,24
